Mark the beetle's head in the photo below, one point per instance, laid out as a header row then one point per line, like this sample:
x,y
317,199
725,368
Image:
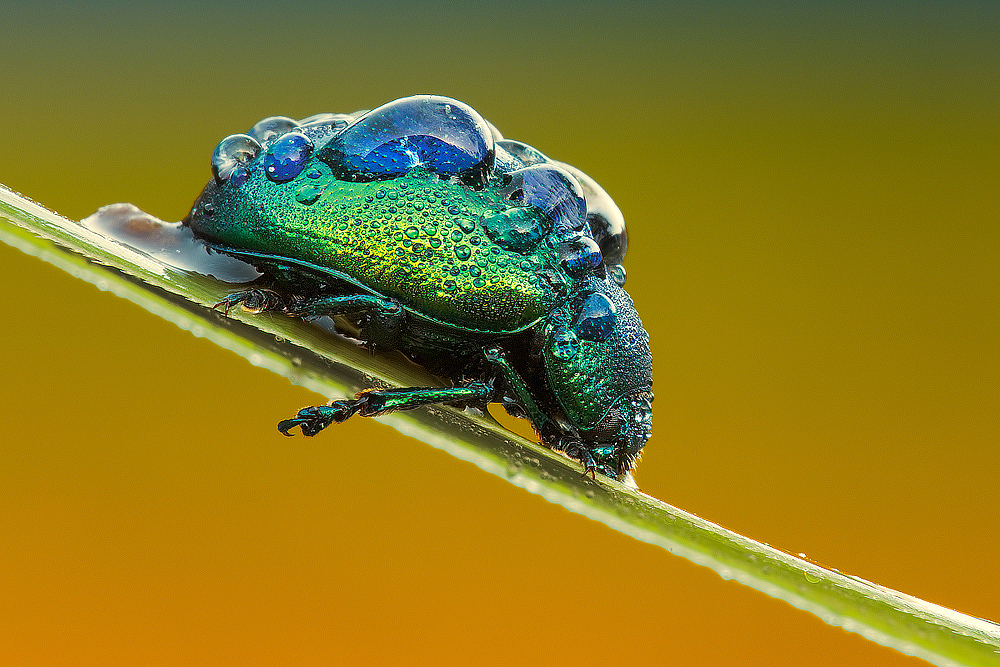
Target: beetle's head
x,y
598,365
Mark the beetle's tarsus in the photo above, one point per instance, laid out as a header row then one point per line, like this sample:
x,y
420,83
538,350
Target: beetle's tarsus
x,y
314,419
254,300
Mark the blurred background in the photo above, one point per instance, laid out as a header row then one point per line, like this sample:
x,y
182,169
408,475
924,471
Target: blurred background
x,y
812,201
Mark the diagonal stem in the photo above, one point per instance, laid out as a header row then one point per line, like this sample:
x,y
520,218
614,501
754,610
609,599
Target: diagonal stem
x,y
302,353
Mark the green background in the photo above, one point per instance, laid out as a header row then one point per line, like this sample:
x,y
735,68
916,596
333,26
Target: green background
x,y
812,199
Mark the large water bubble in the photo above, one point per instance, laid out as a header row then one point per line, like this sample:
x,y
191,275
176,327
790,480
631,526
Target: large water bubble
x,y
596,318
607,224
550,189
439,134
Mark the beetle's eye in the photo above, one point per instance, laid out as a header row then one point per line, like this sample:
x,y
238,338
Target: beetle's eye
x,y
609,428
232,152
442,135
596,318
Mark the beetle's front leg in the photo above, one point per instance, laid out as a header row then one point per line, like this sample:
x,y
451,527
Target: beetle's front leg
x,y
572,446
376,402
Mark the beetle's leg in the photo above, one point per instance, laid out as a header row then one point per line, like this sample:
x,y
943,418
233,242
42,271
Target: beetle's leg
x,y
258,300
384,315
378,306
254,300
573,447
577,450
376,402
496,357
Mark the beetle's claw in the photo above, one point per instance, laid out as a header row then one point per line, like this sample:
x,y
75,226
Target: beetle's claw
x,y
228,302
314,419
254,300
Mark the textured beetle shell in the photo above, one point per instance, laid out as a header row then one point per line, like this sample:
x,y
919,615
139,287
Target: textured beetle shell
x,y
403,239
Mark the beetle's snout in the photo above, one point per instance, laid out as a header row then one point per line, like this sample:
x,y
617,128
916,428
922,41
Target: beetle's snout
x,y
617,440
636,411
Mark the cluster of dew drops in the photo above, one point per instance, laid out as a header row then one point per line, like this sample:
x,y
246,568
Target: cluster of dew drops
x,y
579,220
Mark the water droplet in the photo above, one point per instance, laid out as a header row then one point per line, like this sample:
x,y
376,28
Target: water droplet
x,y
380,194
524,153
479,282
287,157
434,241
475,271
430,229
578,255
240,176
412,232
617,273
453,210
607,224
410,132
208,208
232,152
552,190
556,280
314,173
450,285
563,343
475,240
466,225
309,193
269,129
457,236
336,120
417,248
463,252
516,229
813,576
596,317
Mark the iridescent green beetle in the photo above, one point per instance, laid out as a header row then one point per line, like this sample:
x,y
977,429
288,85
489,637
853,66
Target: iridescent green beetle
x,y
478,257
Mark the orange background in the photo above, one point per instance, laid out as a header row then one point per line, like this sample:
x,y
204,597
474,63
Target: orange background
x,y
811,196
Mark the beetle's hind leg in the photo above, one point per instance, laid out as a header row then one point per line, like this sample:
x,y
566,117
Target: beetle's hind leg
x,y
259,300
383,319
376,402
256,300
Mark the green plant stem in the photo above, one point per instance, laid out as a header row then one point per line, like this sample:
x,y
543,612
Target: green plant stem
x,y
303,354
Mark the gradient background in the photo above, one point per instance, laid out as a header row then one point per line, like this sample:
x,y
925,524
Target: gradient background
x,y
812,199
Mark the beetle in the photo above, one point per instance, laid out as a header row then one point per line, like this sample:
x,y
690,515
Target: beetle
x,y
476,256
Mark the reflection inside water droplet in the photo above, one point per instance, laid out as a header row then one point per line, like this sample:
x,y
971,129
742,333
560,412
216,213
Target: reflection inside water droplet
x,y
232,152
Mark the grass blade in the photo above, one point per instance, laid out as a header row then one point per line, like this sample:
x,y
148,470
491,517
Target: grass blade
x,y
331,366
